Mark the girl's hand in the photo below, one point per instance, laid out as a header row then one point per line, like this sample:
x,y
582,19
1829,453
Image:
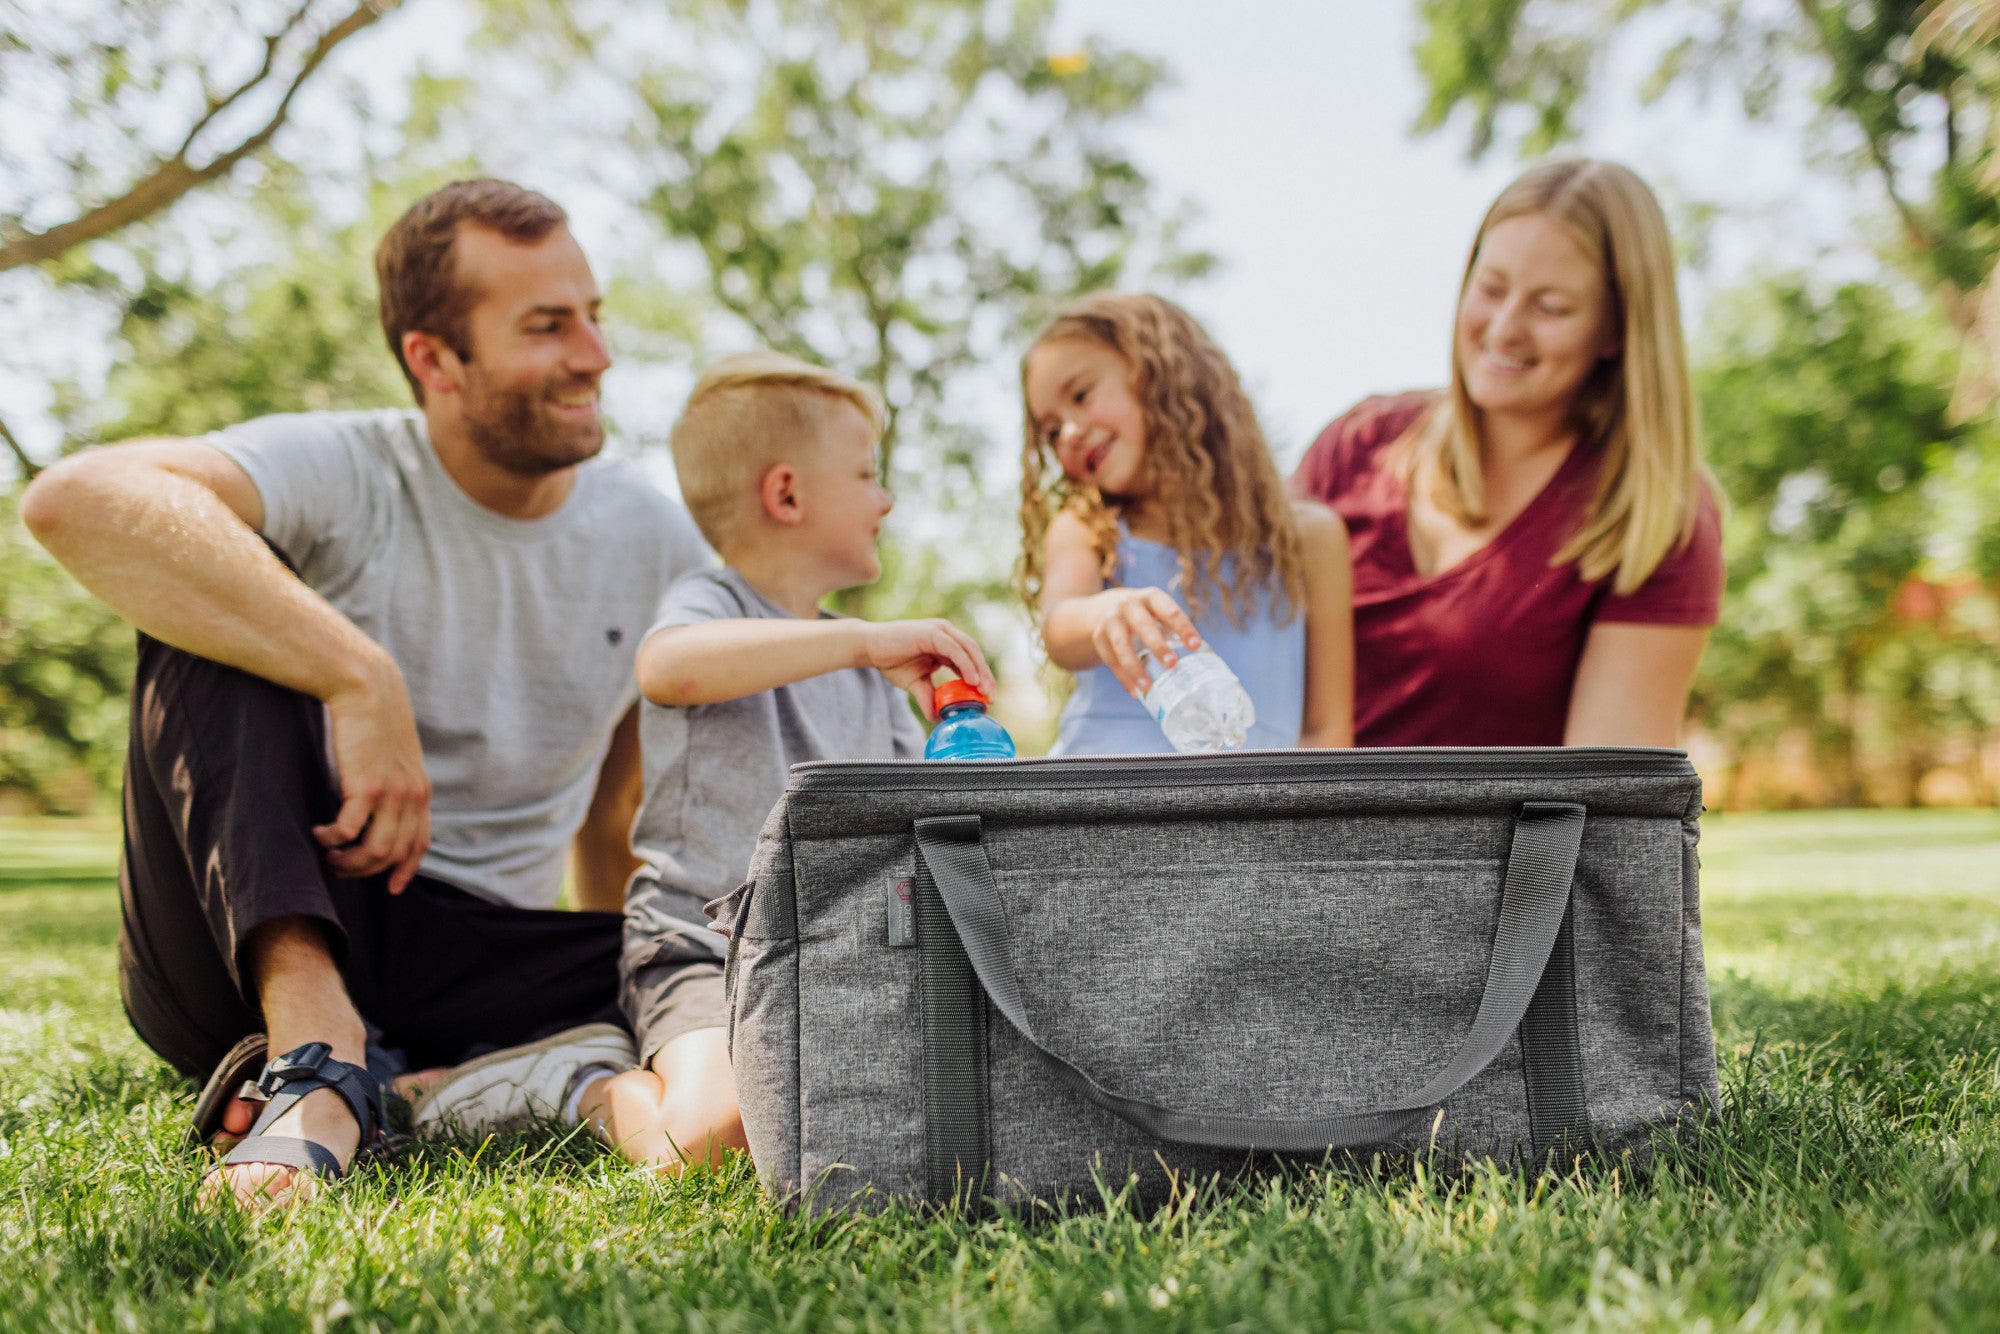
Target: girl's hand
x,y
1149,615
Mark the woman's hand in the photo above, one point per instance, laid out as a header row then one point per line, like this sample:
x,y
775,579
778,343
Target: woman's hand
x,y
1147,615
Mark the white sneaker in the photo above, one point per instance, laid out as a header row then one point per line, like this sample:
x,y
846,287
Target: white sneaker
x,y
517,1083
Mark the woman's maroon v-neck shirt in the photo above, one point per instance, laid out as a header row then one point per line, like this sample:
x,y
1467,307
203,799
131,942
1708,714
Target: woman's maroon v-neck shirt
x,y
1484,653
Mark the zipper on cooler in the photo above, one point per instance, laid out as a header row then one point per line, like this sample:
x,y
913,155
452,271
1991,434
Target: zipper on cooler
x,y
1440,762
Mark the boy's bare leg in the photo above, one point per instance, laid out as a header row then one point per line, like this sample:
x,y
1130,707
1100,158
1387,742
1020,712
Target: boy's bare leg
x,y
304,1000
676,1113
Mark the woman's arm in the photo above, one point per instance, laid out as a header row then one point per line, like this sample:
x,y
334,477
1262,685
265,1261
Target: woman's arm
x,y
1085,624
1329,707
1632,684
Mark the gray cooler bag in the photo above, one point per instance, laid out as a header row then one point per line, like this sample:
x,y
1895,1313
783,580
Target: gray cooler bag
x,y
1021,979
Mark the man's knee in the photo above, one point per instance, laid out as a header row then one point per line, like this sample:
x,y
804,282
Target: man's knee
x,y
179,697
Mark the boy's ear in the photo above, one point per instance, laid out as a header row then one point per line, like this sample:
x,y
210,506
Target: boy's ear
x,y
779,490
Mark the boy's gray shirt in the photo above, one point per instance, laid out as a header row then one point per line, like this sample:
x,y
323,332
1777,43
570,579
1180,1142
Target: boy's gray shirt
x,y
516,637
713,771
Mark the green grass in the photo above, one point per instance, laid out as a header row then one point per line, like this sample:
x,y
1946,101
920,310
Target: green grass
x,y
1853,1181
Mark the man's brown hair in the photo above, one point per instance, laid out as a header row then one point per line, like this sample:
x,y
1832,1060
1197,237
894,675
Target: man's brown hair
x,y
414,268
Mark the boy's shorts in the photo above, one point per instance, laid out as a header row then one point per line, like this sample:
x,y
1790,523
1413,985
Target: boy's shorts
x,y
668,986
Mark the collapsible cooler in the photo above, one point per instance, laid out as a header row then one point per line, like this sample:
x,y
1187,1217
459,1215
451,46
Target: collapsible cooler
x,y
1019,979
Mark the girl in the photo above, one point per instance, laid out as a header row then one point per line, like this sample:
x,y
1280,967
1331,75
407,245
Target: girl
x,y
1152,513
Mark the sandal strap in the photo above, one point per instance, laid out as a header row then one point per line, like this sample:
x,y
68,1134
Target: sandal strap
x,y
290,1077
285,1151
312,1067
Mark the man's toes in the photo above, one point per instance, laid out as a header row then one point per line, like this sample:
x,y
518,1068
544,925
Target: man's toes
x,y
237,1118
257,1186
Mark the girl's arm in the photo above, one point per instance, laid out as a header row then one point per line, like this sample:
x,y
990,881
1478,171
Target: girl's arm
x,y
1085,624
1632,684
1329,712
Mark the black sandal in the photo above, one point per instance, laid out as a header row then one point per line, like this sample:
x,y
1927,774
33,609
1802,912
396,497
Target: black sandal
x,y
290,1077
235,1077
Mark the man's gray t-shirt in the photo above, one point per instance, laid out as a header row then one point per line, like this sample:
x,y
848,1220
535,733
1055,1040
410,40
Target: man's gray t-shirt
x,y
516,637
714,771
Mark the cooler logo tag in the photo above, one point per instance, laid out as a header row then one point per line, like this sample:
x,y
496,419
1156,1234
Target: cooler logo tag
x,y
902,912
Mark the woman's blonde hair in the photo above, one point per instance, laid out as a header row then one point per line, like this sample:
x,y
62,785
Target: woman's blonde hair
x,y
1205,455
1637,408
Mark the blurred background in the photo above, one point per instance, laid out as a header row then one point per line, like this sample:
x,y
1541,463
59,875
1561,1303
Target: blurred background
x,y
190,192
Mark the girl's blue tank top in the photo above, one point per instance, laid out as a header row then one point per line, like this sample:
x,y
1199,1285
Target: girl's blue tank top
x,y
1268,658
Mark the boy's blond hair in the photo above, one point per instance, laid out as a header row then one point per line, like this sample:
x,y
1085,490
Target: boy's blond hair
x,y
747,413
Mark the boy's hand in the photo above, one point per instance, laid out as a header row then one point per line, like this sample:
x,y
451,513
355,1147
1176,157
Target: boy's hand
x,y
1149,615
907,652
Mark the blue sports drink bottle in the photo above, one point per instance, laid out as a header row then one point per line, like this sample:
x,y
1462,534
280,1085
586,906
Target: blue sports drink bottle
x,y
964,732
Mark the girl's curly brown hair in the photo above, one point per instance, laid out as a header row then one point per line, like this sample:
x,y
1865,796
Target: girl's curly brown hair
x,y
1205,455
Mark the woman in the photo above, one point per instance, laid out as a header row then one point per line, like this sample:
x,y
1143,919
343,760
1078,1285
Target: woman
x,y
1537,550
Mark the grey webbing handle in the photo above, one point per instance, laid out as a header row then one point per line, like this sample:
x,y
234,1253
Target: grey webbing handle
x,y
1533,900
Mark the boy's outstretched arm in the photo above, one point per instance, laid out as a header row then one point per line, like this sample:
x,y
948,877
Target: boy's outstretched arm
x,y
683,665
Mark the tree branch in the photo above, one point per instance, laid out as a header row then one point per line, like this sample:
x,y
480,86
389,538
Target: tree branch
x,y
174,177
28,465
218,105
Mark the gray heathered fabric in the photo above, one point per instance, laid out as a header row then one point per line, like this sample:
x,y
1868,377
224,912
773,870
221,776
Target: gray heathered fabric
x,y
1193,946
516,637
714,771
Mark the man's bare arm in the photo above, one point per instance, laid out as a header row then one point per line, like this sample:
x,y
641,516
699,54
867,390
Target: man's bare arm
x,y
601,857
165,533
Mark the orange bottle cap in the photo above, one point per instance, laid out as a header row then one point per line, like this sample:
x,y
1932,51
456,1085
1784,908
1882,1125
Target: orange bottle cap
x,y
957,692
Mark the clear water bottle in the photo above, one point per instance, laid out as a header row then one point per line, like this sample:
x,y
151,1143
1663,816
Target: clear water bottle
x,y
1198,702
964,732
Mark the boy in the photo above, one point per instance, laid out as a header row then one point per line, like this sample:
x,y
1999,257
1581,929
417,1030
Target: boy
x,y
745,676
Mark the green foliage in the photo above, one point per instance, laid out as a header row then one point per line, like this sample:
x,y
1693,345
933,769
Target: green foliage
x,y
899,189
65,663
1852,1180
296,333
1860,603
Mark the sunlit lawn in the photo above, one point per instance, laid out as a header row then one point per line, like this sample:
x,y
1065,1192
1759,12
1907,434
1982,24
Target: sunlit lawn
x,y
1852,1182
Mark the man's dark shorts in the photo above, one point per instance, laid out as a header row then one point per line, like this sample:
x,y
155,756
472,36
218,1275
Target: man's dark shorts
x,y
226,776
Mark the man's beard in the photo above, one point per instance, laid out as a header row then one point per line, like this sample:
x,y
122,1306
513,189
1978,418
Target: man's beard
x,y
512,430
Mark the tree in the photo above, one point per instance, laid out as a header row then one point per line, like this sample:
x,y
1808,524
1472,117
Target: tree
x,y
135,104
297,333
896,188
1855,612
1908,90
1969,31
65,664
153,66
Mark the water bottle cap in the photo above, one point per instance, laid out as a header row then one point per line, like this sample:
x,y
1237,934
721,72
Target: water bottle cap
x,y
957,692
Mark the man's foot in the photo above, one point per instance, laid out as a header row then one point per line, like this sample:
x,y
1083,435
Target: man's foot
x,y
318,1112
515,1084
321,1117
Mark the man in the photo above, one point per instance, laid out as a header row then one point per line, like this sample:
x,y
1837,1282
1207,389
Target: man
x,y
350,792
